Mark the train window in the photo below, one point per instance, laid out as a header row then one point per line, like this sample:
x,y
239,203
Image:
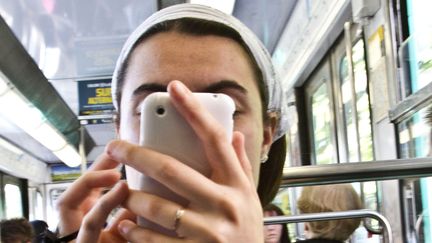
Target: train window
x,y
414,142
292,135
13,201
363,105
357,119
53,193
352,123
358,129
321,118
416,50
36,204
414,136
348,110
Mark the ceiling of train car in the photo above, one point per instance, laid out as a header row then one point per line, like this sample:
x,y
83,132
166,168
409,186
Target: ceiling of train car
x,y
79,40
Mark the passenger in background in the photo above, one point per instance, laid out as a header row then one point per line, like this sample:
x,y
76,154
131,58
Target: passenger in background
x,y
42,234
275,233
17,230
39,228
329,198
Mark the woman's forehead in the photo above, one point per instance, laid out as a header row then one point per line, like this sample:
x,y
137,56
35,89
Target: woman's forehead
x,y
173,56
173,42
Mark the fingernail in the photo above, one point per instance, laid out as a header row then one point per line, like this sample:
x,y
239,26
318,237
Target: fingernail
x,y
178,87
125,226
110,147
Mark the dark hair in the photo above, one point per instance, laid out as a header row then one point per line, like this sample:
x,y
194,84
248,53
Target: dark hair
x,y
284,236
428,116
271,171
17,229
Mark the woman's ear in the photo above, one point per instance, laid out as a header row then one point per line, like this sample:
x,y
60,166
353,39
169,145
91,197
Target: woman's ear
x,y
307,232
269,133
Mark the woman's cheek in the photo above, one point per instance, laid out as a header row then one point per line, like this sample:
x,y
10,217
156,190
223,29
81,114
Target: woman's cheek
x,y
253,133
129,129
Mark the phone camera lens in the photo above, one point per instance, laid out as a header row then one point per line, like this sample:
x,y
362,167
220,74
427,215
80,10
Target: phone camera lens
x,y
215,95
160,110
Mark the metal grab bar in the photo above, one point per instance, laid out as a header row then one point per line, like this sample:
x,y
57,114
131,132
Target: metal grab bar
x,y
351,76
355,172
363,213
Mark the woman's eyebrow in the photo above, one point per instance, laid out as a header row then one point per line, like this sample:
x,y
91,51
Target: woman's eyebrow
x,y
149,88
212,88
223,85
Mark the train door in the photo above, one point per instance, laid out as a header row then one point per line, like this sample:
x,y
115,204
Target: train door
x,y
14,199
320,116
414,142
415,61
338,108
412,115
351,89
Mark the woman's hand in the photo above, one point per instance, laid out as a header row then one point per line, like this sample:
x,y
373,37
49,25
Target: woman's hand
x,y
222,208
82,205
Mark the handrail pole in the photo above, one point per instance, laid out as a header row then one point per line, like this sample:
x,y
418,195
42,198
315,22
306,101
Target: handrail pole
x,y
351,76
356,172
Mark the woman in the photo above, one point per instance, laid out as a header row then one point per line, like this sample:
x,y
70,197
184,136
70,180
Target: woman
x,y
329,198
275,233
181,49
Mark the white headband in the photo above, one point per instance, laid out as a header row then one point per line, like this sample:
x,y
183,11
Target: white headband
x,y
271,80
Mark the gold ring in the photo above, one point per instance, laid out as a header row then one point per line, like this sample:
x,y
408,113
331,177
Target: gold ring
x,y
179,214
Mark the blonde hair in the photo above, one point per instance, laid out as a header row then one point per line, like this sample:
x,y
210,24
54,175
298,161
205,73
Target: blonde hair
x,y
330,198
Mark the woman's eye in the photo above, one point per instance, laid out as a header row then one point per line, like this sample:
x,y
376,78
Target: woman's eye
x,y
236,113
137,111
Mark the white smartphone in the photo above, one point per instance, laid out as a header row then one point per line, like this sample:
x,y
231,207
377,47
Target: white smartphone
x,y
163,129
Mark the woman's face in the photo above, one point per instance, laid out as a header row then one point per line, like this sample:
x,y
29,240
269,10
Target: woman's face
x,y
272,232
202,63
